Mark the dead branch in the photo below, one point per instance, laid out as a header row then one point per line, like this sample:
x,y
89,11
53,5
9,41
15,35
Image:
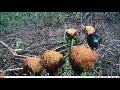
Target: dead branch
x,y
21,56
61,47
49,44
9,70
16,69
63,51
12,50
66,56
6,46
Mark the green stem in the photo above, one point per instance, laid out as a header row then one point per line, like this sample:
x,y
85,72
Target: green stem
x,y
70,45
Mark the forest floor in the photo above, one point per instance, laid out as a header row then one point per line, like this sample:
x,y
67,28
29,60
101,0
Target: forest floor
x,y
36,41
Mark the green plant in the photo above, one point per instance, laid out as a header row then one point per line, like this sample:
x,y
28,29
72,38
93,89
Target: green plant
x,y
82,58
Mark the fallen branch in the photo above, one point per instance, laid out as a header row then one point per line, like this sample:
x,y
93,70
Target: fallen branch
x,y
49,44
13,69
60,47
6,46
66,56
7,70
63,51
12,50
21,56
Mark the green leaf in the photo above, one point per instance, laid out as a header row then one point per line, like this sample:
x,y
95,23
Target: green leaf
x,y
83,74
67,39
77,40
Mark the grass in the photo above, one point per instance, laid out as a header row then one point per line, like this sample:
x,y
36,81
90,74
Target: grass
x,y
11,20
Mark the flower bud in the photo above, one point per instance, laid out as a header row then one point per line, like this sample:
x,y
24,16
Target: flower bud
x,y
90,29
71,33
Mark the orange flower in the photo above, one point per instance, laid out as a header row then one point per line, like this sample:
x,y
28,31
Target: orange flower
x,y
51,60
71,33
83,58
33,65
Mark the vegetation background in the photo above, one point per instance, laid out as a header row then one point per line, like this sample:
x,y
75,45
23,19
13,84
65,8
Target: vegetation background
x,y
39,31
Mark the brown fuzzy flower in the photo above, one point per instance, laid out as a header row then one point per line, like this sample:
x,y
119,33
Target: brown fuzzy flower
x,y
51,60
90,29
83,58
71,33
33,65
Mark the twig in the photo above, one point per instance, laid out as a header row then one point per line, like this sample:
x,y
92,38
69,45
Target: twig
x,y
64,50
115,40
7,70
11,66
13,69
20,56
12,50
6,46
46,45
66,56
60,47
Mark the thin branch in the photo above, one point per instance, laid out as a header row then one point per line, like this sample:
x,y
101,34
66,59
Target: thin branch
x,y
13,69
81,18
46,45
64,50
66,56
12,50
11,66
6,46
20,56
60,47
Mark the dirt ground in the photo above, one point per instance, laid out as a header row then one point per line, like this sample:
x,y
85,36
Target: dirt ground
x,y
36,41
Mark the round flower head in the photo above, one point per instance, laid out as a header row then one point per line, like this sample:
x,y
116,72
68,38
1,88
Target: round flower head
x,y
71,33
32,65
89,29
83,58
51,60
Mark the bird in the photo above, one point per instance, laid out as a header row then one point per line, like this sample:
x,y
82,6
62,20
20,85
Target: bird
x,y
93,40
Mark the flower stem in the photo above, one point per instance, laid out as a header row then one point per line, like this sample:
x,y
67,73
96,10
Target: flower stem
x,y
70,45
